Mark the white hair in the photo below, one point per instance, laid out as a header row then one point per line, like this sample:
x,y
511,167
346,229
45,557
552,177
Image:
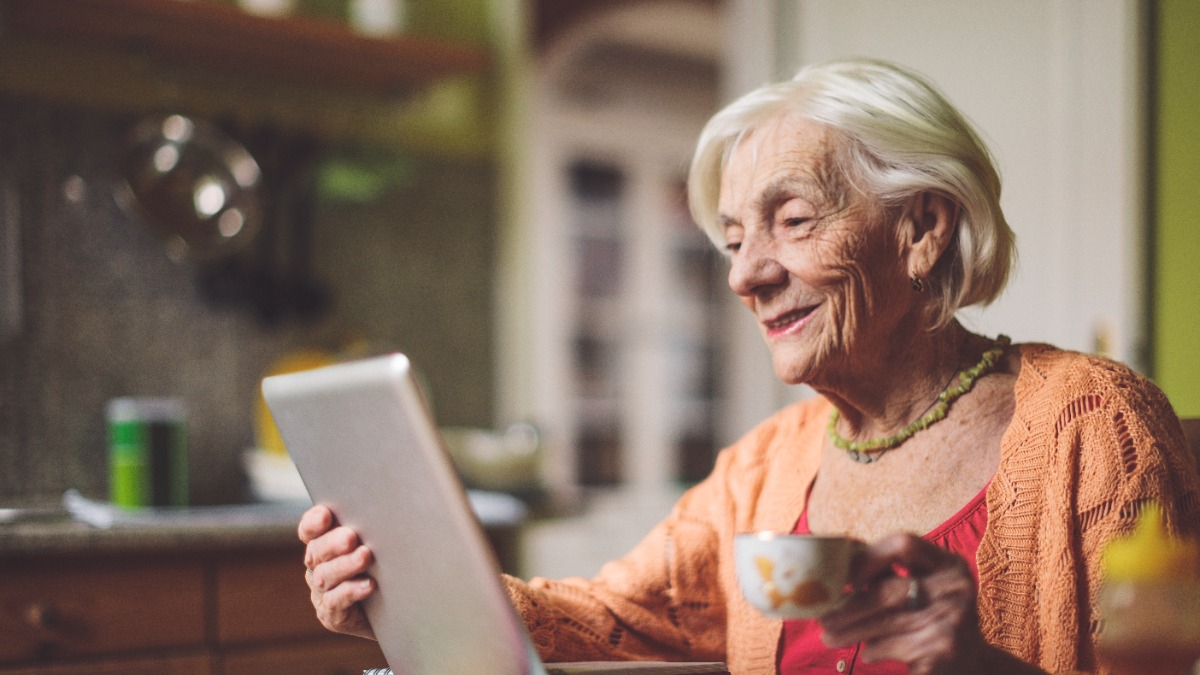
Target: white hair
x,y
895,137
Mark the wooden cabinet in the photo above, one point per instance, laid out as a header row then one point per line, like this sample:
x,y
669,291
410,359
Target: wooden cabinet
x,y
223,39
243,587
190,664
65,610
210,60
227,612
341,657
264,621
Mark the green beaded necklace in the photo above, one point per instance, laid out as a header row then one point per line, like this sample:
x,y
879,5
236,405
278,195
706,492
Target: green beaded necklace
x,y
869,451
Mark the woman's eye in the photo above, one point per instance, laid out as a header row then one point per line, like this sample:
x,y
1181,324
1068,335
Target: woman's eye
x,y
795,222
733,246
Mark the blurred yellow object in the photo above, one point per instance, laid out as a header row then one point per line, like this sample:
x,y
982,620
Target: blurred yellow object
x,y
266,434
1151,554
1150,601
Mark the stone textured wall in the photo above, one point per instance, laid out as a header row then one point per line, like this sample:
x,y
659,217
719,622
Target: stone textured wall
x,y
106,313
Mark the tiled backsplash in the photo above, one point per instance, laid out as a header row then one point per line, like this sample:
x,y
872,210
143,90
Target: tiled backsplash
x,y
106,313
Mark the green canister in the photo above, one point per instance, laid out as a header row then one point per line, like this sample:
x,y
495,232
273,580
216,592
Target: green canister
x,y
147,452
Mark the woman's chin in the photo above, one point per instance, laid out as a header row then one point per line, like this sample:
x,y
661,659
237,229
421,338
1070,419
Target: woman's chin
x,y
792,371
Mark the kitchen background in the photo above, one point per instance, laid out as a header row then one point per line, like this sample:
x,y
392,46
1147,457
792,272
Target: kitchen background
x,y
427,228
102,311
106,313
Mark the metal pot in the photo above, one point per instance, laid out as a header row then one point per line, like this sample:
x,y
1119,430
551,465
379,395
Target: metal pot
x,y
191,184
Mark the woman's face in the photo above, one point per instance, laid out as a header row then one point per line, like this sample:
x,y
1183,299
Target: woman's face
x,y
816,263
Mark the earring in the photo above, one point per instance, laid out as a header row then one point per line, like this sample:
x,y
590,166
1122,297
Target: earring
x,y
917,284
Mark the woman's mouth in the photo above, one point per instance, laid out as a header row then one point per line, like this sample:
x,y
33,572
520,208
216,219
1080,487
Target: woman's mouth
x,y
788,323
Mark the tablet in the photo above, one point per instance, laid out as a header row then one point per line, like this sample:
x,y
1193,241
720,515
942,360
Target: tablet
x,y
366,446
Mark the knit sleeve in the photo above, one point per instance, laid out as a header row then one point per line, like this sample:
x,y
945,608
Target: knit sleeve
x,y
675,595
661,601
1091,443
1131,452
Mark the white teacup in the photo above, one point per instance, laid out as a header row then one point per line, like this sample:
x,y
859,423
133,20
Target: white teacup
x,y
793,576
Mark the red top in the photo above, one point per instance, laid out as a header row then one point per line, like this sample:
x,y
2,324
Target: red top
x,y
800,648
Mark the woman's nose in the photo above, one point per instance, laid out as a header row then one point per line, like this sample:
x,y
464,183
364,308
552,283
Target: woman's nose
x,y
755,268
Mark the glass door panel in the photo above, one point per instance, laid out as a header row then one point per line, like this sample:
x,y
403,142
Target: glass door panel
x,y
693,342
599,245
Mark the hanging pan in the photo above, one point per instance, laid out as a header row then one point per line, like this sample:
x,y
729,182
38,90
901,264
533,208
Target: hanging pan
x,y
192,185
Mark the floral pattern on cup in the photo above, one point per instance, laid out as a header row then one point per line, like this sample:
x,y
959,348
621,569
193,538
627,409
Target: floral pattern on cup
x,y
788,576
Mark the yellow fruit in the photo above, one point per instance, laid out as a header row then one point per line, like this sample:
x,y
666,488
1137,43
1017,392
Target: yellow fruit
x,y
266,434
1151,554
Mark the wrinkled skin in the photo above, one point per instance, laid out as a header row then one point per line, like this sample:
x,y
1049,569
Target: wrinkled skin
x,y
939,635
336,563
811,259
825,271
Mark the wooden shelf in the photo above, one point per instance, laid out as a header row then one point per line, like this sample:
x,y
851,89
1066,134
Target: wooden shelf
x,y
296,50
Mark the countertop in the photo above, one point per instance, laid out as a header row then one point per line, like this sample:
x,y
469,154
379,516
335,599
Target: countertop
x,y
208,529
89,528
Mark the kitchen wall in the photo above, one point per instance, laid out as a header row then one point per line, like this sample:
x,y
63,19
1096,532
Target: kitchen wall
x,y
105,313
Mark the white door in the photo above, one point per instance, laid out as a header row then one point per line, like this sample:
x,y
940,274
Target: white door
x,y
625,296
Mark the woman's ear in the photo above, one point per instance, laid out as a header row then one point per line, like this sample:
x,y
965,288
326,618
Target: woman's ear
x,y
932,219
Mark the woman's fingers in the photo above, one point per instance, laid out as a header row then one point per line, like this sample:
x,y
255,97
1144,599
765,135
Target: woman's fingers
x,y
315,522
914,603
905,551
330,573
336,563
922,648
336,542
338,584
338,608
899,605
883,600
343,599
897,573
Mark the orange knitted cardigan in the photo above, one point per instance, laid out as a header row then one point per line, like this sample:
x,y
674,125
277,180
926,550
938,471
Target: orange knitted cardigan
x,y
1089,443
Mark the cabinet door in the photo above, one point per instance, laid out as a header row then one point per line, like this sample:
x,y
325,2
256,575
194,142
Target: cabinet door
x,y
191,664
335,655
262,596
83,607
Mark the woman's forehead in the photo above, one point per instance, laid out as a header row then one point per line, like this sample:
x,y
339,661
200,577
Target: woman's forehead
x,y
788,149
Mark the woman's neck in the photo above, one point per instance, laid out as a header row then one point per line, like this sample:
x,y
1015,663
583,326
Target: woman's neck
x,y
898,382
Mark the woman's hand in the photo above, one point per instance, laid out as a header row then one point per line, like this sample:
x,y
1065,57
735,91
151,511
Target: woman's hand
x,y
336,563
926,619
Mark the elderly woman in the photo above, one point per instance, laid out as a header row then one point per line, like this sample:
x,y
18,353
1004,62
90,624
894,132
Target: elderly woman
x,y
859,212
